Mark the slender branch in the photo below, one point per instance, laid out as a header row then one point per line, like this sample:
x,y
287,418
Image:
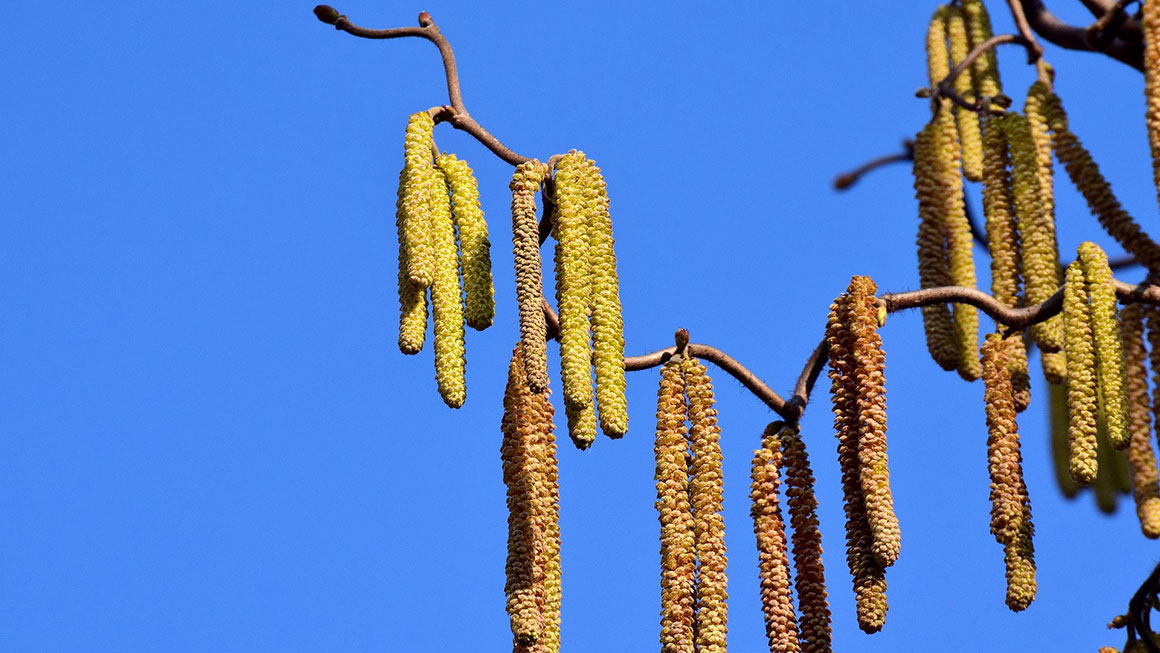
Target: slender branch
x,y
1025,28
456,114
1070,37
847,179
1111,24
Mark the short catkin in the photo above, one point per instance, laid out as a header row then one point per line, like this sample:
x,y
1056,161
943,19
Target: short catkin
x,y
1141,457
572,280
529,275
933,269
1109,347
474,246
678,543
1082,403
781,628
970,138
814,630
581,425
446,295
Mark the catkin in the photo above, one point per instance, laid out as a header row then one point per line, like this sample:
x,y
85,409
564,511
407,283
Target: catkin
x,y
1141,456
1037,109
933,269
1004,461
572,280
678,545
581,425
412,297
416,220
529,275
706,492
968,121
474,246
814,631
1019,559
985,70
938,63
1108,345
446,295
1082,403
773,559
607,321
1150,25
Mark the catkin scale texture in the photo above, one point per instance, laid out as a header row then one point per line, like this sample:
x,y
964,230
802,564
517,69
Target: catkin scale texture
x,y
1082,402
417,168
968,121
781,628
1004,461
446,295
529,275
678,540
814,630
985,70
572,280
1141,456
1109,348
474,246
933,269
412,298
1150,24
607,321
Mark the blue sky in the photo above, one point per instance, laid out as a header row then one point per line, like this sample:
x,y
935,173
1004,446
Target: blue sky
x,y
211,442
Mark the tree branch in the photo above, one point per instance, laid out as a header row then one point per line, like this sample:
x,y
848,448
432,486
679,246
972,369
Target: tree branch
x,y
1070,37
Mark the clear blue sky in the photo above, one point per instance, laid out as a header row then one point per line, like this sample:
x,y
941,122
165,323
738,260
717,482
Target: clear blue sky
x,y
210,441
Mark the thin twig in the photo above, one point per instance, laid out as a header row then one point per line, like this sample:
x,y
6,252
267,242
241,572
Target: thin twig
x,y
1025,28
847,179
1070,37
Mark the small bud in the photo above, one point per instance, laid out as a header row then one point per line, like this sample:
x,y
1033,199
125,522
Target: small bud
x,y
327,14
844,181
425,19
1003,101
923,92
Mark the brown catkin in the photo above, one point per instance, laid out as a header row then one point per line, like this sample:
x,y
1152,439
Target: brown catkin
x,y
1141,456
814,630
1082,404
412,297
967,121
474,246
573,280
773,559
416,217
985,70
933,269
678,544
1108,346
1150,25
706,492
446,295
1004,462
529,275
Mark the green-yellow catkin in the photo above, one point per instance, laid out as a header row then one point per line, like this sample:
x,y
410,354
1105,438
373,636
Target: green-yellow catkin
x,y
772,556
1150,25
933,269
1037,109
985,69
607,321
869,577
1004,461
1141,456
474,246
572,280
412,298
814,629
581,425
706,493
416,217
678,540
968,121
1060,453
1082,385
446,295
1020,376
1109,347
870,376
1019,559
529,275
938,62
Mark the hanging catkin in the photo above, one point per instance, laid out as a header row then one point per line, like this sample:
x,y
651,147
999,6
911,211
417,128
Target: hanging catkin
x,y
678,544
706,491
572,280
1082,403
933,270
474,246
1141,457
446,295
938,63
1037,110
868,575
607,322
809,574
581,425
529,276
985,70
1004,461
773,559
967,120
1109,348
412,297
1019,559
1150,25
416,218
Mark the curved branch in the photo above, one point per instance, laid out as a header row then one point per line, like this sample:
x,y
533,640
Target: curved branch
x,y
721,360
1070,37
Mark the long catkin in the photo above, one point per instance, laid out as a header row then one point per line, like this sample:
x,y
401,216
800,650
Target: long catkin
x,y
678,543
607,321
529,275
985,70
781,629
1150,24
474,246
814,630
412,297
1004,461
1109,347
572,280
970,138
446,295
1082,403
1141,456
416,217
933,269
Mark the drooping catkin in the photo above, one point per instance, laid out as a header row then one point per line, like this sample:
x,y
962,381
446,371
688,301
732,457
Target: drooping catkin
x,y
529,275
1037,110
1082,388
1060,448
1150,24
416,219
678,540
572,280
412,298
1109,348
933,269
1020,376
938,63
814,631
985,70
1019,559
474,246
446,295
581,425
869,577
607,321
967,121
706,493
773,558
1141,456
1004,461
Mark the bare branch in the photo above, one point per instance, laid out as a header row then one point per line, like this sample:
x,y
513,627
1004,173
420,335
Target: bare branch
x,y
1070,37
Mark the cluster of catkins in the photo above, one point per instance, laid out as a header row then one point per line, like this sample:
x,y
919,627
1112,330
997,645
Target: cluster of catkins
x,y
858,390
591,328
689,503
441,234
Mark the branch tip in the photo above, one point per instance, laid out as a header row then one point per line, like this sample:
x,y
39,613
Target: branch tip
x,y
327,14
682,339
425,19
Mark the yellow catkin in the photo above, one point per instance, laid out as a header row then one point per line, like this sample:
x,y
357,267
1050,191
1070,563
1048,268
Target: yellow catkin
x,y
607,321
985,70
1108,346
1004,461
1082,403
678,543
572,280
412,298
938,63
814,630
417,169
581,425
706,493
773,558
1019,559
869,577
933,269
1150,25
1141,456
967,121
474,246
1086,176
1037,110
446,295
529,275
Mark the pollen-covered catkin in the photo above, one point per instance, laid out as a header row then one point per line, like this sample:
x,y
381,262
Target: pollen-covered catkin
x,y
678,543
446,296
967,121
529,276
1019,559
1004,461
1020,375
985,70
572,280
1108,346
938,63
814,630
933,269
706,493
773,559
607,321
1141,456
474,246
581,425
412,298
417,167
1082,404
1037,109
1150,25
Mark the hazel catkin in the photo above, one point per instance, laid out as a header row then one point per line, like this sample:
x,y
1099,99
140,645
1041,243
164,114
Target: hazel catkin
x,y
1109,348
1150,25
412,297
529,276
1141,456
781,629
572,280
933,269
985,70
678,540
607,321
416,217
1004,461
968,121
446,295
474,246
1081,378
